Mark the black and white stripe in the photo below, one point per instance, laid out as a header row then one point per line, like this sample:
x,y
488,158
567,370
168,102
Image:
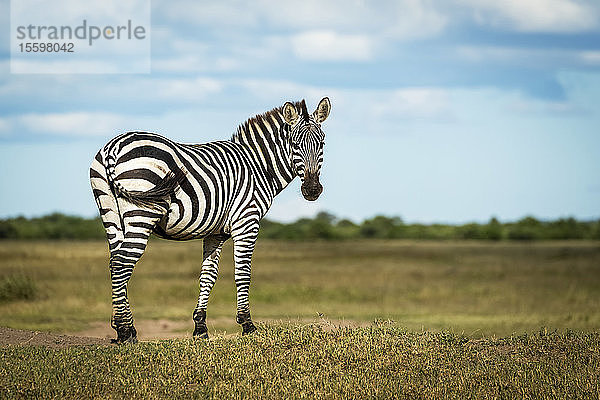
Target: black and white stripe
x,y
145,183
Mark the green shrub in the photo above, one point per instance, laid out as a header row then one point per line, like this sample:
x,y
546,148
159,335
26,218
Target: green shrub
x,y
472,231
567,228
527,228
382,227
493,230
17,287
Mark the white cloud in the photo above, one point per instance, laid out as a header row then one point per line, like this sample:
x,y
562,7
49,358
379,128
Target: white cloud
x,y
195,63
4,126
276,91
176,51
186,125
82,66
398,19
414,103
317,14
530,57
136,92
222,14
183,63
590,57
362,111
413,19
73,123
269,88
331,46
105,56
265,31
529,106
336,24
536,15
354,111
368,110
187,89
496,53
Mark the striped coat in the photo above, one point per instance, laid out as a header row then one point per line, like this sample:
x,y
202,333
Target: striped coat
x,y
144,183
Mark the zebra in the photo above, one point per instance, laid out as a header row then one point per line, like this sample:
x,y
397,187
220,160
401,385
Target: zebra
x,y
145,183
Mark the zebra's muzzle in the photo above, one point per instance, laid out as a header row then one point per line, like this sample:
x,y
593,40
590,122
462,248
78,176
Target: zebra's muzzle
x,y
311,187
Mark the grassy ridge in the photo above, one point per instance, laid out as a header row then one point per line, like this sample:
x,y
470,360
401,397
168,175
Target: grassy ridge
x,y
309,362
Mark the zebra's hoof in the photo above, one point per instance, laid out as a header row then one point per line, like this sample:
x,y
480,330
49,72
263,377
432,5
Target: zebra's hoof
x,y
248,328
244,319
201,331
126,334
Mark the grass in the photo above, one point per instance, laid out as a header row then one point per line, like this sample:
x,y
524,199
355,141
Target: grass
x,y
471,287
465,287
286,361
454,320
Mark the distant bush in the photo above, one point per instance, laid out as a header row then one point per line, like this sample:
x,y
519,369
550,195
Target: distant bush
x,y
493,230
17,287
325,226
567,229
52,226
527,228
472,231
595,230
382,227
530,228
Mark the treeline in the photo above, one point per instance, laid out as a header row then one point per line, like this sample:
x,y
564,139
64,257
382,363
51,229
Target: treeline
x,y
53,226
327,226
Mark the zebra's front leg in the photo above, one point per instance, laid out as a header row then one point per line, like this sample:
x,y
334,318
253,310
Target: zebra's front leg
x,y
211,253
243,247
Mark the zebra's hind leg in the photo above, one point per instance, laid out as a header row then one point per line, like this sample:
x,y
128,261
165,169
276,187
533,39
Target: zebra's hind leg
x,y
138,225
244,240
211,253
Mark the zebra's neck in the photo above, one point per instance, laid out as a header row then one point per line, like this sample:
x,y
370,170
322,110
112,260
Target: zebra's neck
x,y
266,138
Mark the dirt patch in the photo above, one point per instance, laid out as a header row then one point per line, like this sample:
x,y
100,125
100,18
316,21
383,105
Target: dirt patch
x,y
150,329
100,332
147,329
9,336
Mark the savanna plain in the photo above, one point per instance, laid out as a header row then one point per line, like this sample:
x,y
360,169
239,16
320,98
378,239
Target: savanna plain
x,y
337,319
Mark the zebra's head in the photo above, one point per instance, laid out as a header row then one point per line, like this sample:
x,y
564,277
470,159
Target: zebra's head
x,y
306,143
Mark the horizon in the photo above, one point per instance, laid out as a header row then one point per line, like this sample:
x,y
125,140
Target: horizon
x,y
451,114
357,222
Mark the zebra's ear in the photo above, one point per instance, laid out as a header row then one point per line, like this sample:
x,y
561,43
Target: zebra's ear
x,y
322,111
290,114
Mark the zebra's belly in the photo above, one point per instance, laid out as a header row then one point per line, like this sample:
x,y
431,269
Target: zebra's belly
x,y
184,222
194,231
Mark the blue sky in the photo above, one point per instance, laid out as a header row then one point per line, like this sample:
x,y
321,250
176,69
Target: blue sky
x,y
442,111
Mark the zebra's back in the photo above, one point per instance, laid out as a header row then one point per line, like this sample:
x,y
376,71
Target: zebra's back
x,y
215,179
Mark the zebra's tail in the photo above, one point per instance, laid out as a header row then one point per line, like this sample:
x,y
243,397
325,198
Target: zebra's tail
x,y
155,198
107,202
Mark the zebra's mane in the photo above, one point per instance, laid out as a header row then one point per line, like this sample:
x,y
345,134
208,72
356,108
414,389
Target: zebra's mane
x,y
275,113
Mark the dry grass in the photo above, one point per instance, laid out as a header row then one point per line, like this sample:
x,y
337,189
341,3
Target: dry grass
x,y
476,288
